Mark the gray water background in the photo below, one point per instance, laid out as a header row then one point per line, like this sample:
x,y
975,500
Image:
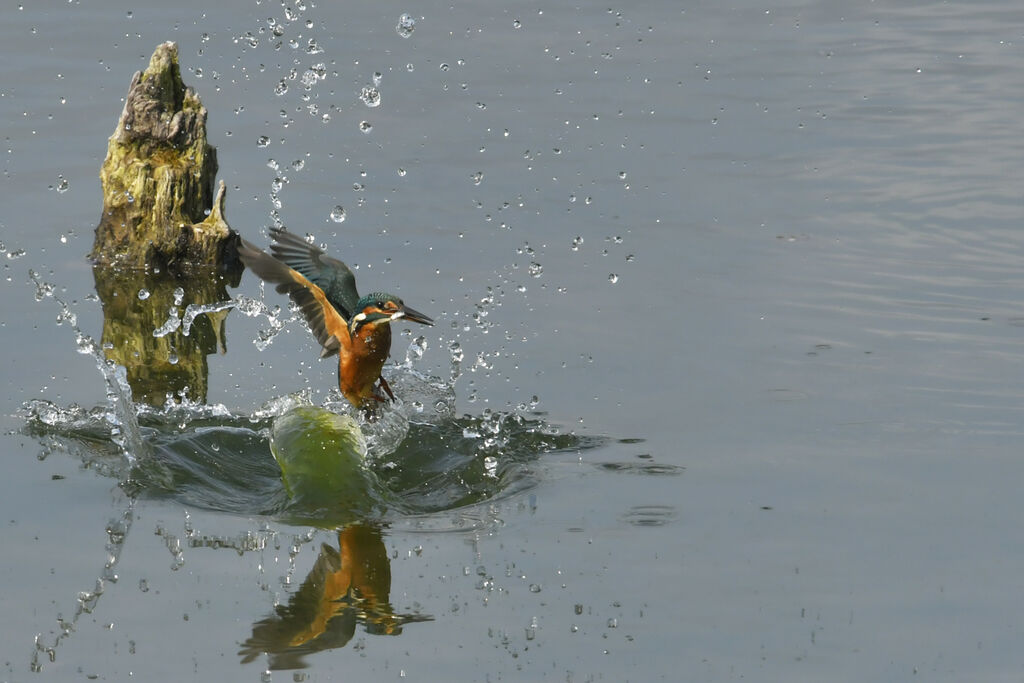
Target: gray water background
x,y
821,322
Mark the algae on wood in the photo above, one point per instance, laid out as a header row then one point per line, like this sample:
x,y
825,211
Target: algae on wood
x,y
158,177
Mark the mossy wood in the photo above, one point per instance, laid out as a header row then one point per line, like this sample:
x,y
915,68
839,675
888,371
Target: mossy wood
x,y
158,177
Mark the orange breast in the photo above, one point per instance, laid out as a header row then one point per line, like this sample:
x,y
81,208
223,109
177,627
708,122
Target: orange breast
x,y
361,359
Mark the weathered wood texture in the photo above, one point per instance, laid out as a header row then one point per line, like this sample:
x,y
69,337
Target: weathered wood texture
x,y
158,177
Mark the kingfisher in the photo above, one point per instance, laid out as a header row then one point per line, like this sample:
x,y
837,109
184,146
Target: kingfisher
x,y
356,328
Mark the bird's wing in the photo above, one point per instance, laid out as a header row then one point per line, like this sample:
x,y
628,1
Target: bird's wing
x,y
326,323
329,274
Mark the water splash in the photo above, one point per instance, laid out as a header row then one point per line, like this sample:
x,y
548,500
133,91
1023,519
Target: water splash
x,y
427,460
120,413
172,323
192,311
254,308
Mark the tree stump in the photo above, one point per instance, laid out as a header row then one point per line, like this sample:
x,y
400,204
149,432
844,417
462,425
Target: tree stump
x,y
163,250
158,178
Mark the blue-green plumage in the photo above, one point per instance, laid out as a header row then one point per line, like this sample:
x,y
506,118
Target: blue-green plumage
x,y
329,274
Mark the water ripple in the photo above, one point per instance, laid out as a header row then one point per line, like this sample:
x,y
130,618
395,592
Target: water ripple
x,y
204,456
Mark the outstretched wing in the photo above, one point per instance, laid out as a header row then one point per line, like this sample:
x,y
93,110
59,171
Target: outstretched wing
x,y
323,319
331,275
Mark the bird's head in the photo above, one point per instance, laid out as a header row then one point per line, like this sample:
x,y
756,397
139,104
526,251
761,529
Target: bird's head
x,y
382,308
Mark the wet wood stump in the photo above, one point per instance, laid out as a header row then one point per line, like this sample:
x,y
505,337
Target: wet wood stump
x,y
163,251
158,178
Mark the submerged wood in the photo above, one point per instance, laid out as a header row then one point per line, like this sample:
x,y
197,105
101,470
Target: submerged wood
x,y
158,178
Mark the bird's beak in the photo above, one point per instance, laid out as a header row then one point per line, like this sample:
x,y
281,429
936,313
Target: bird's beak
x,y
413,315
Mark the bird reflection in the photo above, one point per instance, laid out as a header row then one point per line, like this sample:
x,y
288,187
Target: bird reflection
x,y
346,586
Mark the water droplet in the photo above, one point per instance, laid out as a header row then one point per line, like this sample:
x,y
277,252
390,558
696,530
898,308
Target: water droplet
x,y
62,184
309,78
477,177
630,258
409,67
576,242
613,278
401,172
262,141
535,269
417,347
534,588
298,165
622,175
406,25
444,66
370,96
143,294
517,24
338,214
377,78
365,126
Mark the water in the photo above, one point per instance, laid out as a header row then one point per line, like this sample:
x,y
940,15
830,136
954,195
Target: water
x,y
793,416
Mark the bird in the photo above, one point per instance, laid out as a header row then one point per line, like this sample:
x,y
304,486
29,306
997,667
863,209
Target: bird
x,y
357,329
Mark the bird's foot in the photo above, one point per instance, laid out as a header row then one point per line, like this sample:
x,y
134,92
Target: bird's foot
x,y
385,387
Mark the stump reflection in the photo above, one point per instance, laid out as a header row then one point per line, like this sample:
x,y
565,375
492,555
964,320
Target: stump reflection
x,y
152,328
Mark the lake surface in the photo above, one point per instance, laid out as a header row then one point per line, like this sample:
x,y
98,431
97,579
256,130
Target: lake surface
x,y
756,269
